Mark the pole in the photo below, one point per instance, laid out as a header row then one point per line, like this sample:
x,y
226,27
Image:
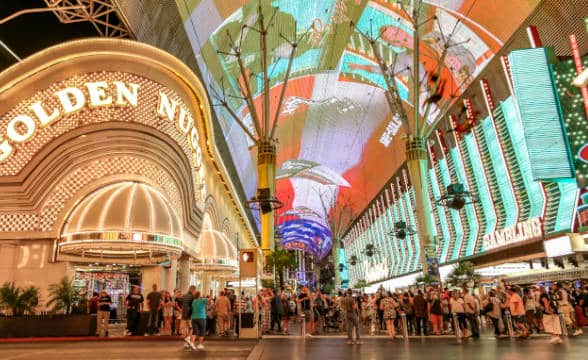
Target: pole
x,y
456,328
266,165
417,161
404,326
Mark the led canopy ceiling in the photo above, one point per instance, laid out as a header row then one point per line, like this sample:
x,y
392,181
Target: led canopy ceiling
x,y
335,130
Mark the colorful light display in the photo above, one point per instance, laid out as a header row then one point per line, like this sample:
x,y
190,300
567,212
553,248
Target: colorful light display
x,y
335,122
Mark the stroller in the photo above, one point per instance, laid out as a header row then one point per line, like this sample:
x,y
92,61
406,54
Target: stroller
x,y
333,320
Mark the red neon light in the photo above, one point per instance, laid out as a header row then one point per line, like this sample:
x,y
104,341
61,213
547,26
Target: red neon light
x,y
579,69
534,38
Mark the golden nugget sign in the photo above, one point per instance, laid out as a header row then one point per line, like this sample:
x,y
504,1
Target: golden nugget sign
x,y
23,127
531,229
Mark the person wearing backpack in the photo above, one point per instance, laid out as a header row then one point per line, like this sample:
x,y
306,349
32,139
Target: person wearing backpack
x,y
551,322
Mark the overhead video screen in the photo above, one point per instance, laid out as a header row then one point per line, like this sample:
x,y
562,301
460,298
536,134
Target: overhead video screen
x,y
337,136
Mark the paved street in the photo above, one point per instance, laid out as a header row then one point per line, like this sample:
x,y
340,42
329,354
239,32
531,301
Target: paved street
x,y
136,350
294,349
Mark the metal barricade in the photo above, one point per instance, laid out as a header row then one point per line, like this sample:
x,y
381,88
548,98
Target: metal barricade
x,y
456,328
404,326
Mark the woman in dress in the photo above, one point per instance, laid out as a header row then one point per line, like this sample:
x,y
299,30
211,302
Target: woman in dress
x,y
168,313
388,306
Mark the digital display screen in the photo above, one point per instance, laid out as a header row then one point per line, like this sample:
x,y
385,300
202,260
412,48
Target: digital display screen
x,y
335,130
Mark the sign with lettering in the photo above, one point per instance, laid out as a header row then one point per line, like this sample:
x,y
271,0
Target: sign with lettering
x,y
531,229
25,125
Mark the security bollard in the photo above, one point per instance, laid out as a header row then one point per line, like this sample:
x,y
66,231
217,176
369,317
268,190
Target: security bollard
x,y
509,324
303,326
404,326
564,327
456,328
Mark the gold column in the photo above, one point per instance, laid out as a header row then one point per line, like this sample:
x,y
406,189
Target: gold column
x,y
417,161
266,169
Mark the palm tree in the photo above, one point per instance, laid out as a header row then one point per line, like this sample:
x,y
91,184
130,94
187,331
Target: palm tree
x,y
17,299
463,273
282,259
62,295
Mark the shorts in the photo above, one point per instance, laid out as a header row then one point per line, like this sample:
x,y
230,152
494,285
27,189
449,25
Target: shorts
x,y
199,327
551,324
308,315
519,319
222,316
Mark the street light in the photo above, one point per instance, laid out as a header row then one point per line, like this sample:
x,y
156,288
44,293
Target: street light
x,y
457,197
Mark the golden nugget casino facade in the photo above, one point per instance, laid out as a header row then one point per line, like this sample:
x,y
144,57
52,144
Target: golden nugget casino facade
x,y
109,173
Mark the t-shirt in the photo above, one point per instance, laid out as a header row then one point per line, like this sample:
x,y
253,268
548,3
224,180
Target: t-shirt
x,y
306,302
154,300
134,301
187,305
199,308
516,305
105,299
348,303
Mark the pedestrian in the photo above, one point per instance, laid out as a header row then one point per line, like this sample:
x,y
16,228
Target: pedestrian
x,y
388,307
285,312
471,312
517,310
420,313
408,311
177,311
134,303
153,306
168,312
564,306
103,317
530,310
305,302
186,321
210,316
493,311
551,323
352,314
199,320
436,313
458,310
93,303
223,313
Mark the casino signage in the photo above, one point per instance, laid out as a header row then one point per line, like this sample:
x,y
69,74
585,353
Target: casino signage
x,y
531,229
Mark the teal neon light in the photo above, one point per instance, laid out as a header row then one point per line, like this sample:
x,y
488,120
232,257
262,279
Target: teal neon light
x,y
457,225
393,242
405,243
567,204
506,191
442,217
415,238
470,211
482,187
517,133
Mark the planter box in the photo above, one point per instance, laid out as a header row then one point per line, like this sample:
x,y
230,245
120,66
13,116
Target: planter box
x,y
47,326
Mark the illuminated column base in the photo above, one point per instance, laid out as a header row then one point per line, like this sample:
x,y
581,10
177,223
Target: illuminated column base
x,y
266,169
417,161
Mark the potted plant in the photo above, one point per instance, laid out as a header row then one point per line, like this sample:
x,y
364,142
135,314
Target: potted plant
x,y
18,300
63,296
464,274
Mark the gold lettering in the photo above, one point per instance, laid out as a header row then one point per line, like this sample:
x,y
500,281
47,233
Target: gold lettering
x,y
97,92
5,150
166,108
65,97
25,121
126,95
198,158
194,138
537,227
185,121
44,118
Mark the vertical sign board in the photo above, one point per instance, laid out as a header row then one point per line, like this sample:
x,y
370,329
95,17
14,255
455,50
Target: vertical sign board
x,y
539,109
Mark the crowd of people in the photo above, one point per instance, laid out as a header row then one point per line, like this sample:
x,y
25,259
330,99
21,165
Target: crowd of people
x,y
507,310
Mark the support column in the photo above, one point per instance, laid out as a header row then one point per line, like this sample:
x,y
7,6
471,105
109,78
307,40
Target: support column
x,y
184,272
417,161
152,275
266,168
170,276
336,263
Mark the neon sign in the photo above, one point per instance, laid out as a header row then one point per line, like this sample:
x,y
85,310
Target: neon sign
x,y
531,229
